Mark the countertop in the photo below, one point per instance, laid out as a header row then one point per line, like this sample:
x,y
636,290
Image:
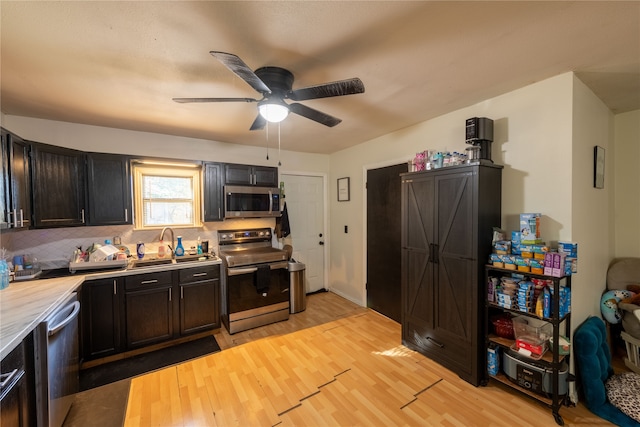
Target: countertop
x,y
24,304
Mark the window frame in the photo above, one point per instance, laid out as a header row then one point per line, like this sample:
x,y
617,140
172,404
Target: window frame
x,y
193,171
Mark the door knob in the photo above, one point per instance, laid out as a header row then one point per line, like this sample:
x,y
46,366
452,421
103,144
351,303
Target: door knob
x,y
321,242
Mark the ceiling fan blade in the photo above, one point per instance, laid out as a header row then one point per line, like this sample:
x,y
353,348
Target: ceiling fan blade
x,y
259,123
185,100
242,70
315,115
339,88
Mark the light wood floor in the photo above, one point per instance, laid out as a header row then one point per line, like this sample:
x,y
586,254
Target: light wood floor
x,y
335,364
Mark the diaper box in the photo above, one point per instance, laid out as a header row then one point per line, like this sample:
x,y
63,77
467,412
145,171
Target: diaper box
x,y
530,228
569,248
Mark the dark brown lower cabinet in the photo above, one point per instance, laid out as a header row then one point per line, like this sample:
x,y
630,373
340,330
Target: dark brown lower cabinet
x,y
149,316
130,312
199,299
447,220
15,395
101,314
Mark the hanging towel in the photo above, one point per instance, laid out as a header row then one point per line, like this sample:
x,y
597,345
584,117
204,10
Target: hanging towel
x,y
282,224
263,279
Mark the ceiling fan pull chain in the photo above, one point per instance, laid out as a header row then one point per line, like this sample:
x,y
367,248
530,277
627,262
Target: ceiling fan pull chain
x,y
267,133
279,164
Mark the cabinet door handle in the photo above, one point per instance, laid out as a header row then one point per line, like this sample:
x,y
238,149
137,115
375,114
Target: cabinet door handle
x,y
181,292
6,378
433,253
169,294
21,218
115,290
126,215
82,215
199,274
15,219
148,282
435,342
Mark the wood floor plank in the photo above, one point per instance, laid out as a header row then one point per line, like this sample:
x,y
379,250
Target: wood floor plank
x,y
195,399
159,399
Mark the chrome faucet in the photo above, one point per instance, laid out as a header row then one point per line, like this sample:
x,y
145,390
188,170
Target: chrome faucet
x,y
173,243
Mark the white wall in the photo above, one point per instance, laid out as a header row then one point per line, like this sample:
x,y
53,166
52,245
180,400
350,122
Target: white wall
x,y
532,139
626,177
591,208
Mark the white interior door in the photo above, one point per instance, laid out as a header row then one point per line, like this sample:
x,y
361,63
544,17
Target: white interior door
x,y
304,196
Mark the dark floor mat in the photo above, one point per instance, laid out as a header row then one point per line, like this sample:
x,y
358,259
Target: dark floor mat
x,y
137,365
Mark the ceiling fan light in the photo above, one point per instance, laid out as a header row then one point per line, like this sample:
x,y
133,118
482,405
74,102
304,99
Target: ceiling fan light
x,y
273,113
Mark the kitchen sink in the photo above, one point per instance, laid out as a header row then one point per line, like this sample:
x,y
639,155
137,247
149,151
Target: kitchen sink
x,y
187,258
150,262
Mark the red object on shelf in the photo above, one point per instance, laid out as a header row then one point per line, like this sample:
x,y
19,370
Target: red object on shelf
x,y
503,326
535,349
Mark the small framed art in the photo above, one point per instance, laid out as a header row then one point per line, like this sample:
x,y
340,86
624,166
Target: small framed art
x,y
343,189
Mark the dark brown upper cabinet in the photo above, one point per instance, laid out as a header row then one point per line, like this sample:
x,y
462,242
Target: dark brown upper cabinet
x,y
108,189
15,197
213,208
58,186
261,176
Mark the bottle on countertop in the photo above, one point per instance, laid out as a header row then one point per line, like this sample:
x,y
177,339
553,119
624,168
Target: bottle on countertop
x,y
4,274
140,250
179,248
162,250
199,246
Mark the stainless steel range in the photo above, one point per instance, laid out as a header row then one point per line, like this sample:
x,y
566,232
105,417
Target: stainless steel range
x,y
255,279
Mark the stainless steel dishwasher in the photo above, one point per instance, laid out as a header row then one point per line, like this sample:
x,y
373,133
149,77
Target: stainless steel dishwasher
x,y
57,363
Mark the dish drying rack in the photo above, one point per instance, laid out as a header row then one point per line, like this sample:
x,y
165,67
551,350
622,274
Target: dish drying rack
x,y
97,265
27,274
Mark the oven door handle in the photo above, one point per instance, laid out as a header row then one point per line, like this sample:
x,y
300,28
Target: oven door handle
x,y
238,271
246,270
278,265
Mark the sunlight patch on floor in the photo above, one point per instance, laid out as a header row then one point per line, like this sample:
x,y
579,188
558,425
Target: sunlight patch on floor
x,y
399,351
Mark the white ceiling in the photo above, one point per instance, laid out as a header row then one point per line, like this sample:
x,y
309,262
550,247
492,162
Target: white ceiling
x,y
118,64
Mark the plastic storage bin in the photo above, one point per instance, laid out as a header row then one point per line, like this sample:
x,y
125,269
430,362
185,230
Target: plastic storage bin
x,y
532,337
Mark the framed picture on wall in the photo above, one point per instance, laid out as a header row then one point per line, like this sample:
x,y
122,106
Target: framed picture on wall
x,y
343,189
598,167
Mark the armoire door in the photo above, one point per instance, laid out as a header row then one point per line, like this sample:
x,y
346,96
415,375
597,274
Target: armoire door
x,y
455,287
418,214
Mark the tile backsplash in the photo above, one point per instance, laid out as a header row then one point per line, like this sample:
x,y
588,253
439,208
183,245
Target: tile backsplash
x,y
54,246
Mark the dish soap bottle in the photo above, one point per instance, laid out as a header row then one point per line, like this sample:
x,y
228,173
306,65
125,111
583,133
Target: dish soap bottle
x,y
162,251
199,246
179,248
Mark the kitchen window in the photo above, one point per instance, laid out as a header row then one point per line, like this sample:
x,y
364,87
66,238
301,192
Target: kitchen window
x,y
167,195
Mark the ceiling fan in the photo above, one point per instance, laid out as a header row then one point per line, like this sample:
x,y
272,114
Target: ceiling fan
x,y
275,85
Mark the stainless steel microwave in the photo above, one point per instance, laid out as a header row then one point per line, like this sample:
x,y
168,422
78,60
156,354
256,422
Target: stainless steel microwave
x,y
251,202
